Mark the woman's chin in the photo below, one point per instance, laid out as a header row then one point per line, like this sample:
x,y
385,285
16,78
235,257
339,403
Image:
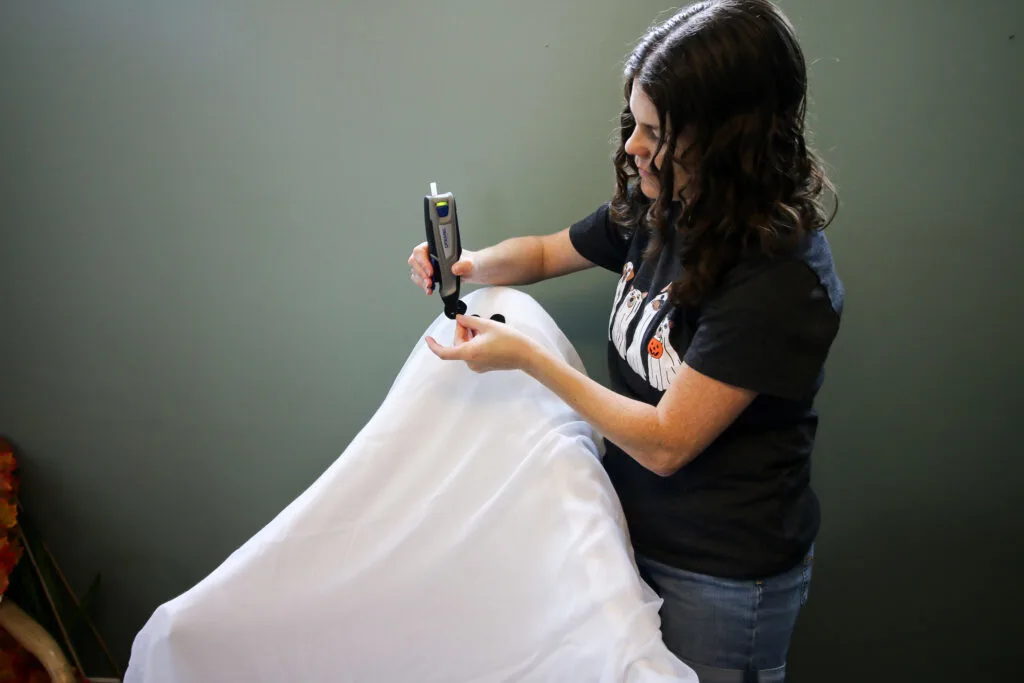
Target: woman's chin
x,y
649,187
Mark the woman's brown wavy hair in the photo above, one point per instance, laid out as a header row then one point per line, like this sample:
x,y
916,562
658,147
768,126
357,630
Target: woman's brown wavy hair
x,y
731,74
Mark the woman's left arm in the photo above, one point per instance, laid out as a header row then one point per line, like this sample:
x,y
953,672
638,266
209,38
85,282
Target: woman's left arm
x,y
663,438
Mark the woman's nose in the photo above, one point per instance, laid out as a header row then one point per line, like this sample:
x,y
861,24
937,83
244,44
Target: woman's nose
x,y
633,147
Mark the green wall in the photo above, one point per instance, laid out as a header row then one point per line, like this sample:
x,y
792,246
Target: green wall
x,y
919,108
205,210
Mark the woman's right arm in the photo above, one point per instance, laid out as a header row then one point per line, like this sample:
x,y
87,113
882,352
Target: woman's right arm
x,y
515,261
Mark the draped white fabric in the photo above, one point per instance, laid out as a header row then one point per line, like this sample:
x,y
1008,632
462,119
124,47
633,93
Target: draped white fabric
x,y
467,534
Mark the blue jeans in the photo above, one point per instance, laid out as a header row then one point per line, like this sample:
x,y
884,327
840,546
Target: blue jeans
x,y
729,631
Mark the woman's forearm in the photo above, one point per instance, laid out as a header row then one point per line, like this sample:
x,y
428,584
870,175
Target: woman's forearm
x,y
515,261
634,426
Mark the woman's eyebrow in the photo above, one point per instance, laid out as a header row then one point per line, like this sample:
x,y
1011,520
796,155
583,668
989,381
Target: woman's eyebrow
x,y
637,122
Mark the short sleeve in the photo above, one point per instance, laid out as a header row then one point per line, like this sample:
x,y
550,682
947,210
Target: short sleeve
x,y
770,332
599,240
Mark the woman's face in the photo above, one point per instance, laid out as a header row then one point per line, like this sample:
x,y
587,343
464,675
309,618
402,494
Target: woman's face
x,y
644,140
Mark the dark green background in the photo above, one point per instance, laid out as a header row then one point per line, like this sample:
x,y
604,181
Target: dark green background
x,y
206,209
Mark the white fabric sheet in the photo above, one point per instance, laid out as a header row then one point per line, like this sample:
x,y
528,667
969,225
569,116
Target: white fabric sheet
x,y
467,534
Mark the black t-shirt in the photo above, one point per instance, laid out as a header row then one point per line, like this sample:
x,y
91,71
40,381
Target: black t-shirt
x,y
744,507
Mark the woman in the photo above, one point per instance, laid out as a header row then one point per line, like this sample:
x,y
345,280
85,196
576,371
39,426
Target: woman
x,y
720,326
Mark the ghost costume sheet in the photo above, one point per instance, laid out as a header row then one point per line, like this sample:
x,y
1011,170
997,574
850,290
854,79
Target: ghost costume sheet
x,y
467,534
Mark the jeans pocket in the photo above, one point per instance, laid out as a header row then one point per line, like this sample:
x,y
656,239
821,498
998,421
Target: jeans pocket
x,y
710,674
776,675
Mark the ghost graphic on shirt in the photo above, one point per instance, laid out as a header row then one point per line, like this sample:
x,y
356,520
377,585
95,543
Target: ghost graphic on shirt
x,y
635,352
627,277
624,316
662,360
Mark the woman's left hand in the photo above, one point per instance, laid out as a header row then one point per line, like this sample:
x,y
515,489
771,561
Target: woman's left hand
x,y
486,345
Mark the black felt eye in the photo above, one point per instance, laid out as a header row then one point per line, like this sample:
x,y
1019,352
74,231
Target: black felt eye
x,y
499,317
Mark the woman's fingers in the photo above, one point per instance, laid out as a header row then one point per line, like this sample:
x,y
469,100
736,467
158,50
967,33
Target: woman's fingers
x,y
421,255
446,352
420,282
473,322
420,267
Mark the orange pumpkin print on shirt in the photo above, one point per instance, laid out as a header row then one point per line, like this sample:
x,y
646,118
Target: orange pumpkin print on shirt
x,y
655,348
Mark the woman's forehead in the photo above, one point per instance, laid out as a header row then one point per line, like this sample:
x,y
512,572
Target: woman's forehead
x,y
643,109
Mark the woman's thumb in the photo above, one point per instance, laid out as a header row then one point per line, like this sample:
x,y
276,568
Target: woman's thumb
x,y
462,267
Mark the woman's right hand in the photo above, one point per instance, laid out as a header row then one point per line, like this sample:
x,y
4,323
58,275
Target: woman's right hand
x,y
421,268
